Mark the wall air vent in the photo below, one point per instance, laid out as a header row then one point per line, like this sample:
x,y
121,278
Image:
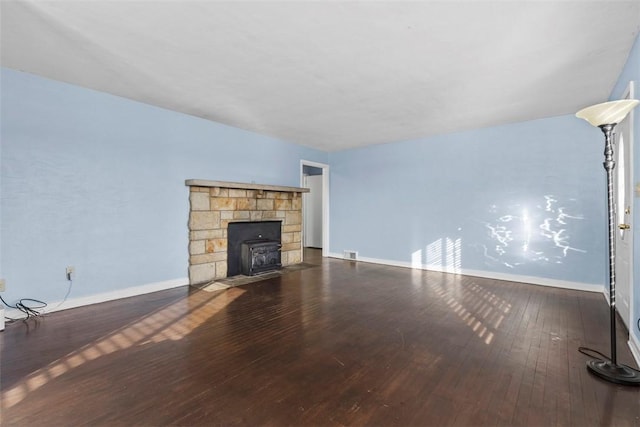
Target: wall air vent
x,y
351,255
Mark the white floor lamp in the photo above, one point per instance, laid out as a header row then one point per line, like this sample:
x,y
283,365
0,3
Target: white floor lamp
x,y
606,116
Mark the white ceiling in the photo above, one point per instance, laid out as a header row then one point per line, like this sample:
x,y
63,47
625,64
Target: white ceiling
x,y
332,75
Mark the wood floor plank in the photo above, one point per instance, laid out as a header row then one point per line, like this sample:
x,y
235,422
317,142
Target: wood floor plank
x,y
338,344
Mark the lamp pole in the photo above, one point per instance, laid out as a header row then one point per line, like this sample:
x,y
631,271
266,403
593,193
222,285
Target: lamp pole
x,y
609,165
606,116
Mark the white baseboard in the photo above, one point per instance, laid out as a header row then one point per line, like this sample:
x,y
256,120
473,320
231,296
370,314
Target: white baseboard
x,y
104,297
533,280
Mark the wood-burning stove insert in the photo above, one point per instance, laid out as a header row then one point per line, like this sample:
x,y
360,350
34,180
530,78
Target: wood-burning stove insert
x,y
260,256
253,247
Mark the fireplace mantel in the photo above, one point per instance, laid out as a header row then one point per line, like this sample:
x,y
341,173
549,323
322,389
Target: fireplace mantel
x,y
215,204
244,186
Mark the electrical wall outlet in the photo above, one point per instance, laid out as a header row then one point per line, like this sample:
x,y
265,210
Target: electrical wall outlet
x,y
70,271
2,285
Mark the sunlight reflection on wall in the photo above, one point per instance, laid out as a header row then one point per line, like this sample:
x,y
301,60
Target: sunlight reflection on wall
x,y
517,234
540,234
442,254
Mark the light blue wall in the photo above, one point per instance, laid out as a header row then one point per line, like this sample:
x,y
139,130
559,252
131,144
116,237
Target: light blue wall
x,y
631,72
97,182
523,199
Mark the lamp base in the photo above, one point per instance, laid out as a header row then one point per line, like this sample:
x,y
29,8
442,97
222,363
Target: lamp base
x,y
619,374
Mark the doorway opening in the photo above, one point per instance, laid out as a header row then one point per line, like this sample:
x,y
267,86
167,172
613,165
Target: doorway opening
x,y
315,205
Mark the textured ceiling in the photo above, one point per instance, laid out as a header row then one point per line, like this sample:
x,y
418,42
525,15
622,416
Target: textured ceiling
x,y
332,75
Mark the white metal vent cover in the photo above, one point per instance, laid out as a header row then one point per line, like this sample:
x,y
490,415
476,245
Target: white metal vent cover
x,y
351,255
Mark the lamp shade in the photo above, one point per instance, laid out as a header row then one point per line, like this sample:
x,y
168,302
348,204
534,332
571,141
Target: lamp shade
x,y
607,113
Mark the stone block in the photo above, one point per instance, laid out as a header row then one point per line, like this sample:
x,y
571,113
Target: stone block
x,y
282,205
287,237
251,194
199,201
217,245
246,204
196,247
226,214
256,215
221,269
207,258
293,217
234,192
203,220
270,194
297,237
241,215
283,195
264,205
269,215
295,257
206,234
223,204
219,192
202,273
296,204
290,246
291,228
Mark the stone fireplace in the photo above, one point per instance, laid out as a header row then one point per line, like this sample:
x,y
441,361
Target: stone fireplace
x,y
215,204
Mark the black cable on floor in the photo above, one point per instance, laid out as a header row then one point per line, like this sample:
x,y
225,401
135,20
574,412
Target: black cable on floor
x,y
26,306
591,353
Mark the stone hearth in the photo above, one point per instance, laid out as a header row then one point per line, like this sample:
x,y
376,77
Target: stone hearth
x,y
214,204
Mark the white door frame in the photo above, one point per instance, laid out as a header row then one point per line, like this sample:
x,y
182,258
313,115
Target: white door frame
x,y
325,200
629,94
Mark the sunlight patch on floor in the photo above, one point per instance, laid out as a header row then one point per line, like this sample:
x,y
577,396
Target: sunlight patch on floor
x,y
480,309
173,322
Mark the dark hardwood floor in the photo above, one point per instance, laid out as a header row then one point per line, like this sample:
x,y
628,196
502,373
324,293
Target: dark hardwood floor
x,y
342,343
